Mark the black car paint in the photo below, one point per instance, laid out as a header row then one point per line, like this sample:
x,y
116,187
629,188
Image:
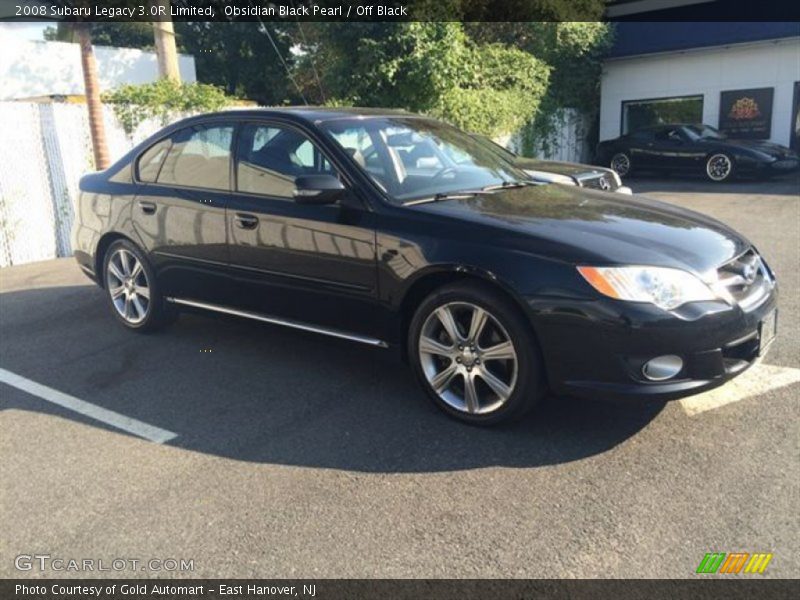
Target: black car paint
x,y
525,242
682,154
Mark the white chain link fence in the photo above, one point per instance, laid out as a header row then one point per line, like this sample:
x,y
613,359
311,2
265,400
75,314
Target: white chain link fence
x,y
44,151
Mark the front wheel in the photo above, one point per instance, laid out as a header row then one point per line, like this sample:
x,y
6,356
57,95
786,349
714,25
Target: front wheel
x,y
621,163
132,290
475,355
719,168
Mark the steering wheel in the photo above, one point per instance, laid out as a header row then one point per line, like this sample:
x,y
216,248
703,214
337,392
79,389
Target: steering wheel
x,y
442,172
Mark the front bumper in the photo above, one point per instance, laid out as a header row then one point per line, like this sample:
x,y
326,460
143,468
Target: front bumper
x,y
596,349
769,169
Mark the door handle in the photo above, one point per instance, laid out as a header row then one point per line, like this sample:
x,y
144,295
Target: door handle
x,y
245,221
148,208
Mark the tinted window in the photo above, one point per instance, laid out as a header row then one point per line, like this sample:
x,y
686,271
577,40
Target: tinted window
x,y
270,158
670,134
643,135
200,157
361,145
150,161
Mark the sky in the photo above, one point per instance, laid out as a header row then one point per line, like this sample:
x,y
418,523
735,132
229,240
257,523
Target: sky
x,y
23,31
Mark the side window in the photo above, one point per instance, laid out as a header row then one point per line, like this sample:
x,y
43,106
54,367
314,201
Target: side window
x,y
150,162
665,135
271,157
359,144
200,156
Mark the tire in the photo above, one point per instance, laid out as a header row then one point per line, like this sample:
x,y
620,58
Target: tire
x,y
132,291
451,365
719,167
618,164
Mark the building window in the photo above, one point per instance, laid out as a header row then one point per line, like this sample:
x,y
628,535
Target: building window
x,y
643,113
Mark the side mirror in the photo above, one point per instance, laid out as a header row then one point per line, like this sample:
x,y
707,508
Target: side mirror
x,y
317,189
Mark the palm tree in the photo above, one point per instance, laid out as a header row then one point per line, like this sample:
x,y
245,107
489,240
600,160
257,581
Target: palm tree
x,y
166,51
91,84
68,32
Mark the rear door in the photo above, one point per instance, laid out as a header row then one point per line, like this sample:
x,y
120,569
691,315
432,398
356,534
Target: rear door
x,y
309,263
179,213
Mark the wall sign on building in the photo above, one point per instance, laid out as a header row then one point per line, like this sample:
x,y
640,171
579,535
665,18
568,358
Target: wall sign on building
x,y
746,114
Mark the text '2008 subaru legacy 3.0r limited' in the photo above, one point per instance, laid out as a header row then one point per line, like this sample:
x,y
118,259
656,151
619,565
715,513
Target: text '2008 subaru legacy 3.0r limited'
x,y
396,230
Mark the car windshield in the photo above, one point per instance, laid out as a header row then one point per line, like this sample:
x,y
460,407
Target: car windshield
x,y
696,132
415,159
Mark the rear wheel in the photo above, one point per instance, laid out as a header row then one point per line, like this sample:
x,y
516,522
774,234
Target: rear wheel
x,y
621,163
475,355
132,290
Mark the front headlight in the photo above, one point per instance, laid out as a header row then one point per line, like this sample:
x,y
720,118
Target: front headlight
x,y
550,177
666,288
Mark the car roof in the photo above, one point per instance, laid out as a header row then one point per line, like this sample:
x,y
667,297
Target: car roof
x,y
313,114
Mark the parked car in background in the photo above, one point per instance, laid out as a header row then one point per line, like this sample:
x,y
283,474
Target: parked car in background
x,y
692,148
394,230
567,173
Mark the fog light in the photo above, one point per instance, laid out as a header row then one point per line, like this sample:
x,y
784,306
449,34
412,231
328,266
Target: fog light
x,y
662,368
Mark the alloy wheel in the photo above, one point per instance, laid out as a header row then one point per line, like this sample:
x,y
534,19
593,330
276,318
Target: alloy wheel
x,y
621,164
719,167
468,358
126,282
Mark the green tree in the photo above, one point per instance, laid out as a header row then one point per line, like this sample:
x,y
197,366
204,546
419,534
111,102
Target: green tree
x,y
240,58
424,67
574,53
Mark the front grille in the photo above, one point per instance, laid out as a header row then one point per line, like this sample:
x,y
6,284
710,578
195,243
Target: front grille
x,y
602,181
746,280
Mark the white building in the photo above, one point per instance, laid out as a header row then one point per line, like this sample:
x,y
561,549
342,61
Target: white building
x,y
739,77
36,69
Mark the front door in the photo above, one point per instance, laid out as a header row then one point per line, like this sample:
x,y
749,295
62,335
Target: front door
x,y
309,263
672,150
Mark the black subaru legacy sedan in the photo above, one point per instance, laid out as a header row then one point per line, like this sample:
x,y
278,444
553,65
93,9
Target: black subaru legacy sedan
x,y
394,230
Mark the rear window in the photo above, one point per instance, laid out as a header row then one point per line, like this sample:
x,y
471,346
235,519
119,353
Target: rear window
x,y
199,157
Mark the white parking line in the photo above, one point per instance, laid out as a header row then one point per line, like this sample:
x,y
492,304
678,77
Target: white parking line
x,y
757,380
87,409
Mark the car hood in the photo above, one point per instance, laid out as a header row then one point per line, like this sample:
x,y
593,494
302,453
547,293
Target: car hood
x,y
583,226
554,166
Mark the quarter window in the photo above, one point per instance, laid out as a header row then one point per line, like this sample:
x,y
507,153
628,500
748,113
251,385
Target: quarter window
x,y
199,157
270,158
150,161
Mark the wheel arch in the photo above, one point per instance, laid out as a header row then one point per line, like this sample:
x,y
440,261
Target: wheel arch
x,y
433,279
102,247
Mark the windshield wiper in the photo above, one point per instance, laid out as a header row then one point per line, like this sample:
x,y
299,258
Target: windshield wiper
x,y
505,185
448,196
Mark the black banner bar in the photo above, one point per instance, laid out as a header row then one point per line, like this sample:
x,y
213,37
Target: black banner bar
x,y
741,587
392,10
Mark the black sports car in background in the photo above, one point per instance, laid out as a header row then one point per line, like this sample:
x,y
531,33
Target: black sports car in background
x,y
566,173
694,148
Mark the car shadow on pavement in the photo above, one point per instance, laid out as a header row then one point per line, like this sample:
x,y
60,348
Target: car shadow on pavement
x,y
254,392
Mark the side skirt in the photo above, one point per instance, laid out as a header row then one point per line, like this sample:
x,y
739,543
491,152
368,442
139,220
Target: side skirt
x,y
283,322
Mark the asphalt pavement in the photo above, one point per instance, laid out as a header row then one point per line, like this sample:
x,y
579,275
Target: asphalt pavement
x,y
294,455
